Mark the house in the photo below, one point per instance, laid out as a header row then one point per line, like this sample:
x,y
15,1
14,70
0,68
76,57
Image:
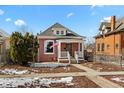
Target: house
x,y
110,39
4,45
58,43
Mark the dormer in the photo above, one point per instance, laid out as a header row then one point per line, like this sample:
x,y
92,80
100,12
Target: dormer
x,y
59,31
105,27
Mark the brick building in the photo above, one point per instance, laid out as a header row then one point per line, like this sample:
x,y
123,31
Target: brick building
x,y
110,39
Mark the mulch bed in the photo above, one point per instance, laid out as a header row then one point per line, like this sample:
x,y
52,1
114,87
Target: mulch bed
x,y
84,82
78,82
44,70
103,66
115,76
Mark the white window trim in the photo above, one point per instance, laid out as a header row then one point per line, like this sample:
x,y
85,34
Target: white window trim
x,y
45,42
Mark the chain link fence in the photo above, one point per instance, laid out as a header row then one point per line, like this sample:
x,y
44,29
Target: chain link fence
x,y
112,59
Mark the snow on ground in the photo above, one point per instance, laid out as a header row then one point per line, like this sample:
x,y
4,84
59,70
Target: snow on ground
x,y
15,82
118,79
49,65
14,72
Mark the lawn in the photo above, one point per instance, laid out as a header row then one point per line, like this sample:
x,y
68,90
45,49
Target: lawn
x,y
56,82
118,79
17,69
103,66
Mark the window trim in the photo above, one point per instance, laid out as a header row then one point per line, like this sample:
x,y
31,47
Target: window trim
x,y
117,46
62,32
45,44
102,47
58,32
108,46
98,47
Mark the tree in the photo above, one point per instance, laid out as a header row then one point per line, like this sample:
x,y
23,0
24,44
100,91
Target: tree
x,y
23,48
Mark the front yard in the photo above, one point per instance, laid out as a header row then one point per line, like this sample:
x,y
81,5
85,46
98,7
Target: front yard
x,y
16,69
103,67
60,75
118,79
60,82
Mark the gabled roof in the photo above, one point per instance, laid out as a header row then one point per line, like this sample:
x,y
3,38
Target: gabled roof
x,y
119,27
48,32
106,24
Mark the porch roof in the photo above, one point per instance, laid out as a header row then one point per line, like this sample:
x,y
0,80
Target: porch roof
x,y
70,40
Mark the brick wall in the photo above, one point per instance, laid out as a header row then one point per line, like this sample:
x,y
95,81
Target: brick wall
x,y
110,40
46,57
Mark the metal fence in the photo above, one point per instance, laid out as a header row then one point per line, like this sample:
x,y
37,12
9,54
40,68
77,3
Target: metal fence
x,y
112,59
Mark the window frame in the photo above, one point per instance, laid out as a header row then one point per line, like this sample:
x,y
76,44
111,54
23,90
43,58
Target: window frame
x,y
117,46
57,32
108,46
98,47
45,45
102,47
62,32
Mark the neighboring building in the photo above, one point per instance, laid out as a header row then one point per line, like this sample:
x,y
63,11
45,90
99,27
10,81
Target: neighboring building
x,y
110,39
89,51
59,43
4,45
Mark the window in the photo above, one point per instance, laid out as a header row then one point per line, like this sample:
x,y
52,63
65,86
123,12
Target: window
x,y
48,47
117,45
98,47
108,46
62,32
0,49
57,32
103,46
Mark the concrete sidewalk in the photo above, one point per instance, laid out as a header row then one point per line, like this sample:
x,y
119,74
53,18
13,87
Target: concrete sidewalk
x,y
46,75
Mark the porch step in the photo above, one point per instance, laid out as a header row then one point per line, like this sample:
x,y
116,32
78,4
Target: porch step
x,y
73,60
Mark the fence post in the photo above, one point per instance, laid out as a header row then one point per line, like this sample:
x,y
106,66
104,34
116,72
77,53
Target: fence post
x,y
121,61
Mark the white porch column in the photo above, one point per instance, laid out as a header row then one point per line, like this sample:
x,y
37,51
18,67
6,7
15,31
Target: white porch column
x,y
59,50
78,47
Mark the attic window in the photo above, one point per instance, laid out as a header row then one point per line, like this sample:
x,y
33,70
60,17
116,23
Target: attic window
x,y
62,32
57,32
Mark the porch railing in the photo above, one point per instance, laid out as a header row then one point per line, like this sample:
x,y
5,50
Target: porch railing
x,y
64,55
78,56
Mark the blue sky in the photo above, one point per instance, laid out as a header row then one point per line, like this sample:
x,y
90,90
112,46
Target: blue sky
x,y
84,20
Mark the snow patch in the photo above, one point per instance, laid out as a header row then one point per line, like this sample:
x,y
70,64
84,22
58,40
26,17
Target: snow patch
x,y
118,79
49,65
15,82
14,72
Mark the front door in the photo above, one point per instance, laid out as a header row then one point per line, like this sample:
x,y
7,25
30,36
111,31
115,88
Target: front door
x,y
69,48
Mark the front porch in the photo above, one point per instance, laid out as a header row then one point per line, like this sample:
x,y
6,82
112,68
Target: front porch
x,y
70,50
